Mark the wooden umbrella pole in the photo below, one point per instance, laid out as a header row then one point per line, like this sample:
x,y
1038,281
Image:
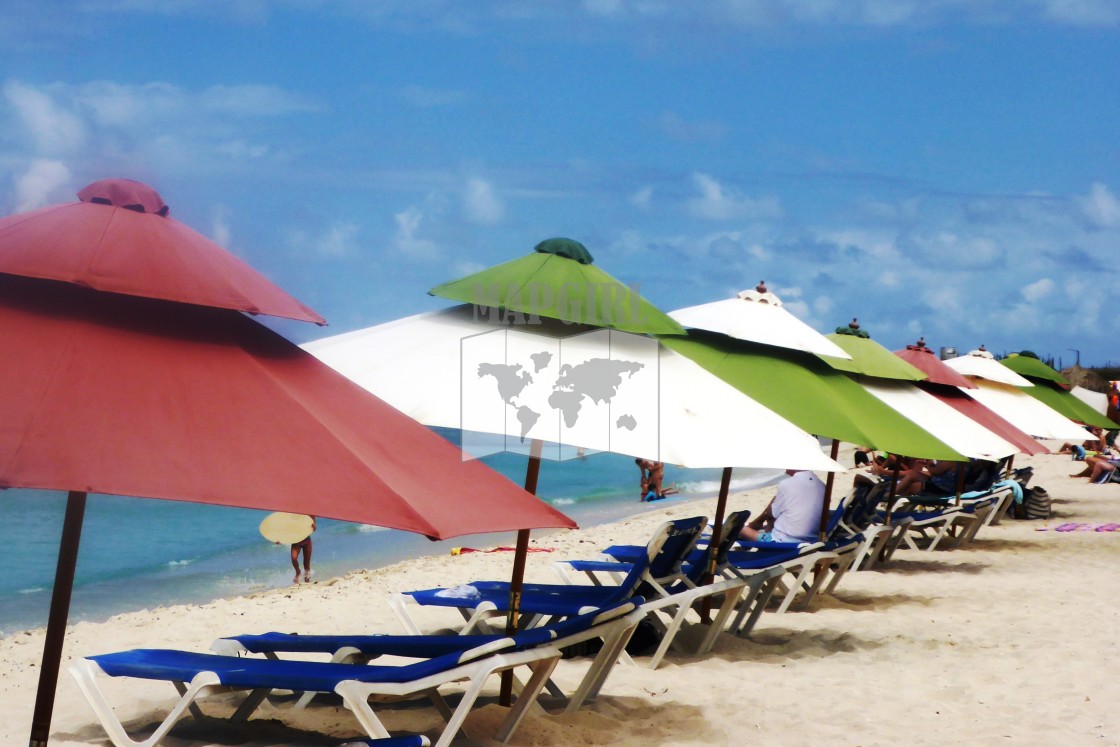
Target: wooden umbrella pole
x,y
827,505
713,543
960,481
1010,467
890,502
56,622
532,472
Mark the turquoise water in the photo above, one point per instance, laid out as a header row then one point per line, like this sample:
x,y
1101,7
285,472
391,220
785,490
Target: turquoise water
x,y
138,554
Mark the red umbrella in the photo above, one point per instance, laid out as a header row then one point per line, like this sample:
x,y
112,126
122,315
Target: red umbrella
x,y
946,384
118,238
110,393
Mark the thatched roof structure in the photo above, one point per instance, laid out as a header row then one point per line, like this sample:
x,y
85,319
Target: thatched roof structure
x,y
1086,378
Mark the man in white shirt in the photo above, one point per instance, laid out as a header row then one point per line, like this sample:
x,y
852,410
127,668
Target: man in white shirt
x,y
795,513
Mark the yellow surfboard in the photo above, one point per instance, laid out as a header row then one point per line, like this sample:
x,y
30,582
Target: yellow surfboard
x,y
285,528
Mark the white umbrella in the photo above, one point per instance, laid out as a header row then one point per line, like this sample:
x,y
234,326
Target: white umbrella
x,y
620,392
1024,411
1097,400
758,316
982,364
957,430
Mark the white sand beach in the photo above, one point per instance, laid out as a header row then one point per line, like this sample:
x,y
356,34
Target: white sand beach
x,y
1013,639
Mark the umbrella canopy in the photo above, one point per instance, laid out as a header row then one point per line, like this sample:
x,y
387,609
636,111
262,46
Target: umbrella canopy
x,y
559,281
1027,364
119,238
944,383
1024,412
922,358
869,358
1065,402
758,316
971,408
981,364
448,368
129,368
811,394
943,421
1097,400
116,394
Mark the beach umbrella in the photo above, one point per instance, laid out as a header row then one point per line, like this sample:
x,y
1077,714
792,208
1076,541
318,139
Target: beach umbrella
x,y
758,316
945,384
562,387
119,237
1097,400
1004,392
895,381
147,394
559,280
1053,390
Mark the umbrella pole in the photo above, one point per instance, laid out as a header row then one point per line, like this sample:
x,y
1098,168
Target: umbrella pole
x,y
1010,467
532,472
890,502
827,505
56,623
960,481
717,528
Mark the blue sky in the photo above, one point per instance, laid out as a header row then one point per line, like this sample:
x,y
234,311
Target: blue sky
x,y
946,168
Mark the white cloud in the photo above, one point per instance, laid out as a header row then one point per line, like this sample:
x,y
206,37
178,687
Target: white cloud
x,y
719,203
877,243
54,129
219,230
1101,206
1037,290
407,240
40,184
1083,12
642,198
890,279
480,204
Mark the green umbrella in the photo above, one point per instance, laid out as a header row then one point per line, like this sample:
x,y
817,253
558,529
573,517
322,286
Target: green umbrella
x,y
558,280
869,358
810,394
1027,364
1052,389
1067,404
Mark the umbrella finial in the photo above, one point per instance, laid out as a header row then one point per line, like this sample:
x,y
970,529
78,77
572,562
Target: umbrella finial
x,y
920,345
760,294
853,329
125,193
567,248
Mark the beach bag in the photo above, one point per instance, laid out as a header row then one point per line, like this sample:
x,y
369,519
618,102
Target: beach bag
x,y
1036,503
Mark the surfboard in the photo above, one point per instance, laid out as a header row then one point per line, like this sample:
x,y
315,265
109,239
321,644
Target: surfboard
x,y
285,528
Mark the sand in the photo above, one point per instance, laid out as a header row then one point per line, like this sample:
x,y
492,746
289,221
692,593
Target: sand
x,y
1010,640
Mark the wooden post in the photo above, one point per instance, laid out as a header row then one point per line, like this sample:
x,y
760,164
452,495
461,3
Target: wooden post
x,y
825,509
56,622
532,472
713,543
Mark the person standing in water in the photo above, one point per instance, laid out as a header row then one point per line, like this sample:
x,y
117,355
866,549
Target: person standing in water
x,y
303,546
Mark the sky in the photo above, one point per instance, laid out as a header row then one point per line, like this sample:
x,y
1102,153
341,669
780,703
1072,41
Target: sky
x,y
939,168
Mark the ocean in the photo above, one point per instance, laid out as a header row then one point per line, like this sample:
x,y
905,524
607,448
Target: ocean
x,y
139,554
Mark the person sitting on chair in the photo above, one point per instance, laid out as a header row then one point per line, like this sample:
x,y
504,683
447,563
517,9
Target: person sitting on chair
x,y
795,513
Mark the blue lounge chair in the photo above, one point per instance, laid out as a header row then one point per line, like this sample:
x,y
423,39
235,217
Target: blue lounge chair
x,y
482,601
196,675
612,626
675,601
